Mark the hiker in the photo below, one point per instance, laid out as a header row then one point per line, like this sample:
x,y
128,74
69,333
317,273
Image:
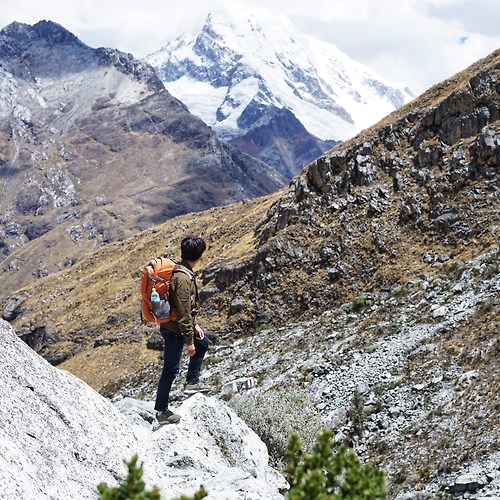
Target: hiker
x,y
184,332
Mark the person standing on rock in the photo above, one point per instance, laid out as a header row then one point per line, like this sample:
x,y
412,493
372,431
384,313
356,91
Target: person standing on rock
x,y
183,332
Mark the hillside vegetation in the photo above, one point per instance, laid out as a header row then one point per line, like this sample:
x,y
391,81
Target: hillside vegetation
x,y
419,188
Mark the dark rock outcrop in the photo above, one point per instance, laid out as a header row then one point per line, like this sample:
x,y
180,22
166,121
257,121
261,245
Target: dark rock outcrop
x,y
276,137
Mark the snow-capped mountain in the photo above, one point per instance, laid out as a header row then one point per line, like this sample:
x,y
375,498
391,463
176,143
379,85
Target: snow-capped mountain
x,y
244,62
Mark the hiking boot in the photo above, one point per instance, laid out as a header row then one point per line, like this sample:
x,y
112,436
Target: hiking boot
x,y
167,417
199,387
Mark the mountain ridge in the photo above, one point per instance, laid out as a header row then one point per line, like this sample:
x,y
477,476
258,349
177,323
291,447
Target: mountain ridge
x,y
93,148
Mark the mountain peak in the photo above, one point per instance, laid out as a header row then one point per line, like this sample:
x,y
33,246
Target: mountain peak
x,y
17,37
236,15
241,56
246,63
54,33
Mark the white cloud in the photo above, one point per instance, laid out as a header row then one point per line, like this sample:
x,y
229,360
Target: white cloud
x,y
412,42
417,43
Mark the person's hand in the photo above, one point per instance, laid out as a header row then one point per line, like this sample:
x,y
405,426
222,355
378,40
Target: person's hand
x,y
198,330
190,350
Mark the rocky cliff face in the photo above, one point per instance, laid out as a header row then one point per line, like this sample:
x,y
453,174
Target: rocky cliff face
x,y
94,149
276,137
377,209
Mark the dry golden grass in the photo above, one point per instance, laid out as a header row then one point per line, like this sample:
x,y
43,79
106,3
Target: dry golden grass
x,y
102,365
99,295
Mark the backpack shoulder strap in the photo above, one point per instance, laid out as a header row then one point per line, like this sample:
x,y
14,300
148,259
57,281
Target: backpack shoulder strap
x,y
185,270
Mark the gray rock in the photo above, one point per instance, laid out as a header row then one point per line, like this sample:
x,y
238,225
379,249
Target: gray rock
x,y
468,483
394,411
236,306
12,307
239,385
155,341
439,312
38,337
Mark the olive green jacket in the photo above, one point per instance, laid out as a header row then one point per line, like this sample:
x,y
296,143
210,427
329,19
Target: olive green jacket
x,y
185,301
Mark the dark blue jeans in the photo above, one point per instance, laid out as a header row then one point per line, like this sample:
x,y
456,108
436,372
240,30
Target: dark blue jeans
x,y
173,345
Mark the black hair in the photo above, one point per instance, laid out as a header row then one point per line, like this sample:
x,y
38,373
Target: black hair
x,y
192,248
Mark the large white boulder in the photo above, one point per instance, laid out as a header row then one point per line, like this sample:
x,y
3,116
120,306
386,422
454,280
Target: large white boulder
x,y
59,439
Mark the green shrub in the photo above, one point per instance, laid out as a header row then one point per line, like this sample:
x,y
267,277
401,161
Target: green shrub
x,y
133,487
359,304
357,412
273,414
201,493
325,475
320,475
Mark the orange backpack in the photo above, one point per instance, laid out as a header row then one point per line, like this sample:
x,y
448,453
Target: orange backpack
x,y
157,274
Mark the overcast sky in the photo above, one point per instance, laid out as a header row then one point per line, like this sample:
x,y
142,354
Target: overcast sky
x,y
415,43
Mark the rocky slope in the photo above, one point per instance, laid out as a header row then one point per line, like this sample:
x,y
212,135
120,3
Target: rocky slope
x,y
376,269
94,149
424,358
421,184
60,439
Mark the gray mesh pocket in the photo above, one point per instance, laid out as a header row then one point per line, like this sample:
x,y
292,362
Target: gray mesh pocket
x,y
161,308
